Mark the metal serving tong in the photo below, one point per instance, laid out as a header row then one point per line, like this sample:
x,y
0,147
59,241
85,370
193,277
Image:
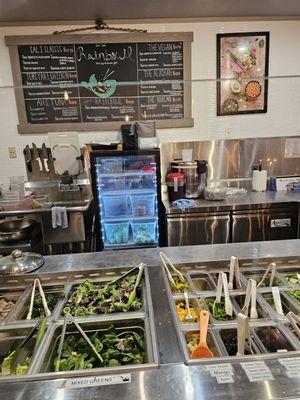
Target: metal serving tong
x,y
168,263
270,270
250,297
44,301
234,272
295,322
67,321
243,335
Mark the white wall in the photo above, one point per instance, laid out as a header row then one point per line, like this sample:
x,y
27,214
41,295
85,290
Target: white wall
x,y
282,119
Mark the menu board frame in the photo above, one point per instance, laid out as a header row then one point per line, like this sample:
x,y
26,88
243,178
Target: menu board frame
x,y
24,127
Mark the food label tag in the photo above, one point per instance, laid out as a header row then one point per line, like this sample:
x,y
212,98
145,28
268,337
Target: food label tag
x,y
88,381
292,366
225,379
257,371
224,373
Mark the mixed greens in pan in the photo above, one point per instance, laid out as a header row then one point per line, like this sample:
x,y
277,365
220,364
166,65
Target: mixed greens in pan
x,y
38,308
218,311
18,360
90,298
295,294
114,348
293,279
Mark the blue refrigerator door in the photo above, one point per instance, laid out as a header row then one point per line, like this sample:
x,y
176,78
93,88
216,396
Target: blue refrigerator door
x,y
127,199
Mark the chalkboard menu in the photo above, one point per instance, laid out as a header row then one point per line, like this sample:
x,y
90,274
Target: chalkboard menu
x,y
72,82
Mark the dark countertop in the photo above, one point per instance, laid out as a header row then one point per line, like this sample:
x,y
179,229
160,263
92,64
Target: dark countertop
x,y
245,201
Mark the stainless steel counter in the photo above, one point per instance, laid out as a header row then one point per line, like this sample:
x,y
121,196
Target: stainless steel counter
x,y
173,380
80,209
247,201
50,195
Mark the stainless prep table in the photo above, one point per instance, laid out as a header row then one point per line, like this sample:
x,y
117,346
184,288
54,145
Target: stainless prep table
x,y
244,217
173,379
80,209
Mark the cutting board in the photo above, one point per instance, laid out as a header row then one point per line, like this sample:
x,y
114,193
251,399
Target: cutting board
x,y
65,159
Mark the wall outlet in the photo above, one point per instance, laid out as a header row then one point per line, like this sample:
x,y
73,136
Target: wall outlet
x,y
12,152
227,132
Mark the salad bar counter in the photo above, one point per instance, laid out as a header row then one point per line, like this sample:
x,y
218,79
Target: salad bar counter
x,y
118,328
112,307
270,329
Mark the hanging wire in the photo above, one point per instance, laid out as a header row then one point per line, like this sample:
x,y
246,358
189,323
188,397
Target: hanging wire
x,y
100,26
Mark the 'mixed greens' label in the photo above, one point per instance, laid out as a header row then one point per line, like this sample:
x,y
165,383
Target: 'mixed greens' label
x,y
89,381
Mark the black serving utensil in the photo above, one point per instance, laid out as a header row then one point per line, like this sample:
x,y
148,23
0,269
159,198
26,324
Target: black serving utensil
x,y
124,275
27,154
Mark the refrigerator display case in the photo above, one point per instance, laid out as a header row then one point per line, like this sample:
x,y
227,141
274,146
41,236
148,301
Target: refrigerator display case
x,y
128,191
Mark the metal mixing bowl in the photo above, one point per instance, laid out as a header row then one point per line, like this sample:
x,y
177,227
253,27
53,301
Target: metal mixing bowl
x,y
18,229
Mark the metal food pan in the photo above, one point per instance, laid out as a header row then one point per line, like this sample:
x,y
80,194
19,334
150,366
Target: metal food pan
x,y
10,338
178,294
213,320
274,339
115,315
21,311
292,298
193,302
201,282
291,330
228,341
43,366
287,305
17,298
262,310
285,275
215,278
212,343
257,275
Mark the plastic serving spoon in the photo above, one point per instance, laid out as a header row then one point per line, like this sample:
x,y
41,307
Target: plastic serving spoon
x,y
202,350
189,317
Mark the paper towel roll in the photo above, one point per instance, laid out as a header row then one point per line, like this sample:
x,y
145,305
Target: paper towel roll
x,y
259,180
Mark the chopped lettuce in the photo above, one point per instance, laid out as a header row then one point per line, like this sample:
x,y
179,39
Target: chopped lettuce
x,y
115,348
89,298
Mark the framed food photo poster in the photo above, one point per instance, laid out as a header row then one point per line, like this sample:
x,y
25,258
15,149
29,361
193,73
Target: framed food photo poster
x,y
242,64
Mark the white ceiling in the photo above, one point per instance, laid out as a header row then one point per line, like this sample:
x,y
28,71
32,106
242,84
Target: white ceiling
x,y
20,11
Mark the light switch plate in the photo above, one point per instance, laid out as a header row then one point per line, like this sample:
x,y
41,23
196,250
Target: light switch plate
x,y
12,152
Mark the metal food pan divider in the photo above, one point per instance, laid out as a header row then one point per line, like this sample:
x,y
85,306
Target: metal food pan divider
x,y
20,312
288,304
10,338
17,297
215,327
51,280
257,275
141,312
68,281
41,365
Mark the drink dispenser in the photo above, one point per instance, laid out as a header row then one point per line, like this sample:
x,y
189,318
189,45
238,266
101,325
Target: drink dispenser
x,y
175,183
